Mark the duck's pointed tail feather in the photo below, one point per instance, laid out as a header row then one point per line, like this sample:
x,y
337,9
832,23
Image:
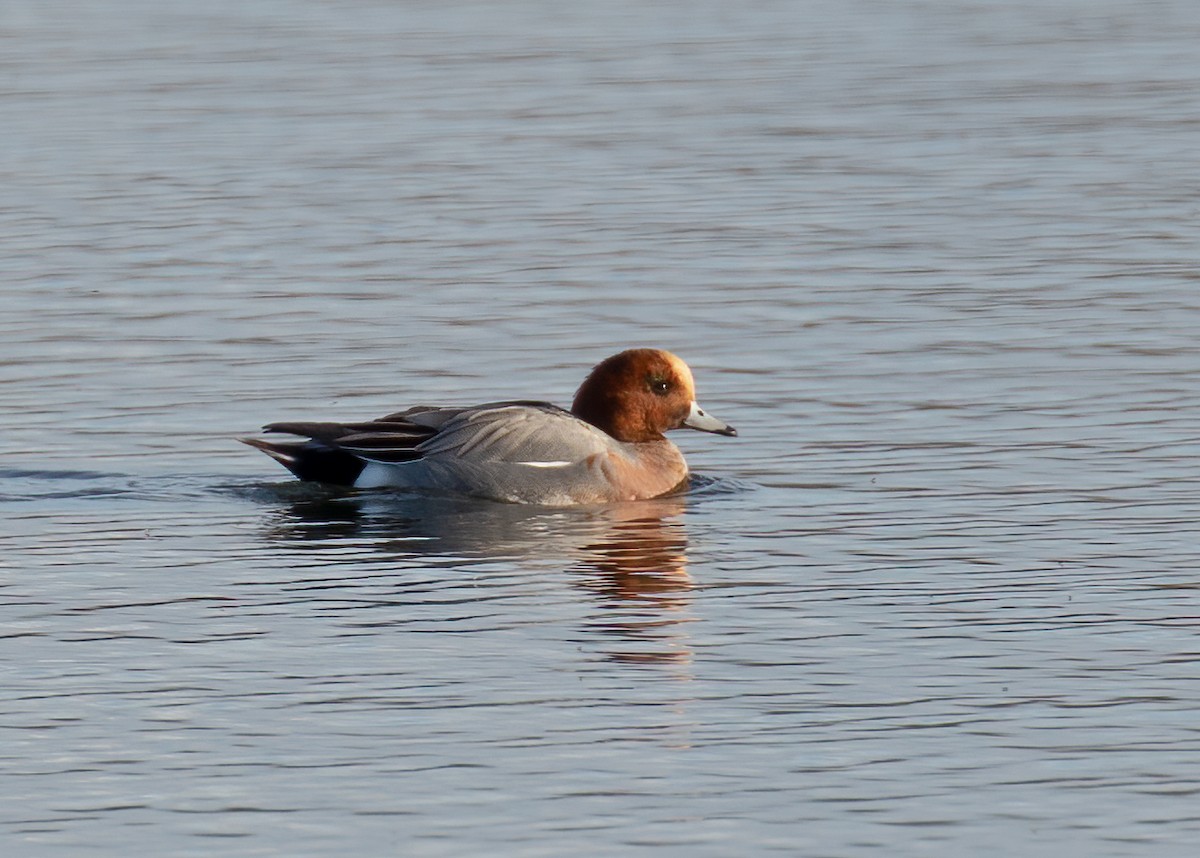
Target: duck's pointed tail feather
x,y
312,460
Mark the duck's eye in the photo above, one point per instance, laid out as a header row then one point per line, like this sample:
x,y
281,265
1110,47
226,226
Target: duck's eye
x,y
659,386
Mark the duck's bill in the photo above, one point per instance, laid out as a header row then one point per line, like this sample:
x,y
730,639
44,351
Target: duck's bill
x,y
697,419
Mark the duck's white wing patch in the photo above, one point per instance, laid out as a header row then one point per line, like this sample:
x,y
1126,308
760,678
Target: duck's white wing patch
x,y
559,464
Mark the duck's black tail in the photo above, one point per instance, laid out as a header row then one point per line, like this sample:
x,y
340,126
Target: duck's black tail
x,y
312,460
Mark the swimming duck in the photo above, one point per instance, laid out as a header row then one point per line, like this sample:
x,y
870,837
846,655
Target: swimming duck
x,y
609,447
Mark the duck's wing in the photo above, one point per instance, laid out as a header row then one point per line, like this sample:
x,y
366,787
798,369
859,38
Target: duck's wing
x,y
528,433
391,440
536,434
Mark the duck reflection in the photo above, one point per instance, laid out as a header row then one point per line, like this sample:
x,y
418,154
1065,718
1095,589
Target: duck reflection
x,y
638,569
631,557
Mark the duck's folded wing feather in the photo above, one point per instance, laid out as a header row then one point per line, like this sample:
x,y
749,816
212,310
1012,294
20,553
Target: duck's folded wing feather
x,y
534,434
434,417
382,440
537,434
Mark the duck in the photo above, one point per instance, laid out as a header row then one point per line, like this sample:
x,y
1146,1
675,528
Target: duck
x,y
609,447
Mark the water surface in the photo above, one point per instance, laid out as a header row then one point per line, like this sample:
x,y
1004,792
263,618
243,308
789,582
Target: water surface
x,y
937,263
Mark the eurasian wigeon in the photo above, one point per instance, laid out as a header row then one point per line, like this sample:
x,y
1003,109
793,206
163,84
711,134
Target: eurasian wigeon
x,y
608,447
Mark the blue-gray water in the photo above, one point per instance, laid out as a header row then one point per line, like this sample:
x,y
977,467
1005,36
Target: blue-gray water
x,y
936,261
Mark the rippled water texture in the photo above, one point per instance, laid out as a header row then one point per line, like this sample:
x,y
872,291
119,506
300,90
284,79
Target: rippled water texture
x,y
936,261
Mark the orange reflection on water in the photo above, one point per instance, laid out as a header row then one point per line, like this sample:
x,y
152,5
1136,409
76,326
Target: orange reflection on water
x,y
639,568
